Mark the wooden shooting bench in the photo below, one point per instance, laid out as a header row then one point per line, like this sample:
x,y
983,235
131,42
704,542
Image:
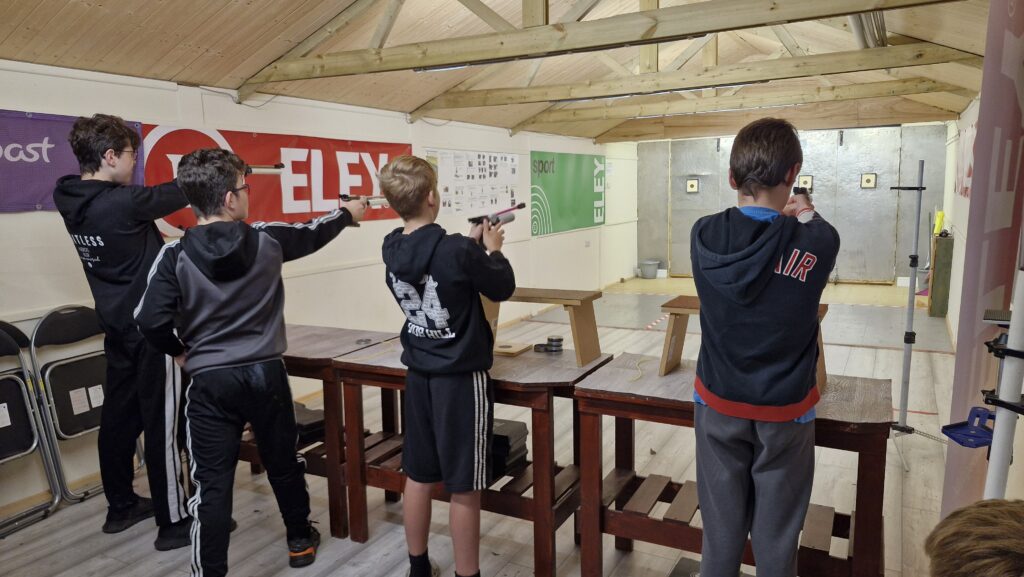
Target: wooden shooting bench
x,y
853,414
680,309
529,380
310,354
579,305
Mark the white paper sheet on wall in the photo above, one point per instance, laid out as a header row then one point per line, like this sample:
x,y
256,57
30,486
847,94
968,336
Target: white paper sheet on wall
x,y
96,396
473,183
79,401
5,416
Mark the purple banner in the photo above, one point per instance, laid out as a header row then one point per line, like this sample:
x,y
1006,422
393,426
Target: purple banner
x,y
34,153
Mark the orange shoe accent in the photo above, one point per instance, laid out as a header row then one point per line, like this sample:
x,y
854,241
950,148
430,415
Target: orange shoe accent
x,y
307,551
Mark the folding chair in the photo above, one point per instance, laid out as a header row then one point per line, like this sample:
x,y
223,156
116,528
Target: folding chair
x,y
72,381
20,424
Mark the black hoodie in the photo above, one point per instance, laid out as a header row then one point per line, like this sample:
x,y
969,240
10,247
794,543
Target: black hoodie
x,y
112,227
437,279
759,285
221,287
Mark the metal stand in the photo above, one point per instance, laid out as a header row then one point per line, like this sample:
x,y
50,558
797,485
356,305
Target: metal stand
x,y
900,427
1008,401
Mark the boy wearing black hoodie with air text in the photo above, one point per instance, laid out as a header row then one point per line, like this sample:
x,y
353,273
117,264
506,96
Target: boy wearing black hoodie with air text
x,y
760,270
437,279
220,288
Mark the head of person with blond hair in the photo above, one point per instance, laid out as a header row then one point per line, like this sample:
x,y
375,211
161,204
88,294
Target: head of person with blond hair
x,y
985,539
410,185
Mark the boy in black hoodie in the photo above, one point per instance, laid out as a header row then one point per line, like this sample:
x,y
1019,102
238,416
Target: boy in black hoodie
x,y
760,270
437,279
220,287
110,221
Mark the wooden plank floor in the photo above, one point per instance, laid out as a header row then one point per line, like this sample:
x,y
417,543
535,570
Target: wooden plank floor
x,y
70,543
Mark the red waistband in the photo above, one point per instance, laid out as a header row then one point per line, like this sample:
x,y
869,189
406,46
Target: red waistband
x,y
773,413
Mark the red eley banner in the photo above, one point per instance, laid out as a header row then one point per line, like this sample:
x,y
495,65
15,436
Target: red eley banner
x,y
316,170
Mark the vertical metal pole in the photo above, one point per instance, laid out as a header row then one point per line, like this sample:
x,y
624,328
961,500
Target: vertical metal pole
x,y
1011,379
909,337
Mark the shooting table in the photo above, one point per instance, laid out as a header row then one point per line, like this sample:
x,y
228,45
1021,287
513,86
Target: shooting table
x,y
310,354
529,380
854,414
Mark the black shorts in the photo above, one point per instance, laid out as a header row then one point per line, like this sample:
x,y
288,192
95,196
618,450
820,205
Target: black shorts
x,y
449,422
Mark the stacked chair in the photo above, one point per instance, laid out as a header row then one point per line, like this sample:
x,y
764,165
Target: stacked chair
x,y
21,425
70,367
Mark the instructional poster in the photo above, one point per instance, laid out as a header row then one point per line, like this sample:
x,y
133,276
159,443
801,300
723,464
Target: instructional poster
x,y
472,183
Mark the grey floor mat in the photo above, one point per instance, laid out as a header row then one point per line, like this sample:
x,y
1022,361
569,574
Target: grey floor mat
x,y
850,325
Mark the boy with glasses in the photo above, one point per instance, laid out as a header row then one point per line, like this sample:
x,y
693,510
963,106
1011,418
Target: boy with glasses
x,y
110,221
220,287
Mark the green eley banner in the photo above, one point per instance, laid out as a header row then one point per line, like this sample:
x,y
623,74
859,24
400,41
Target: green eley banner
x,y
566,191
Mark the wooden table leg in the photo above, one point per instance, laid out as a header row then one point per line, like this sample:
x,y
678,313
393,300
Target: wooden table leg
x,y
584,332
675,338
335,444
390,418
625,458
576,458
591,553
355,462
544,488
867,538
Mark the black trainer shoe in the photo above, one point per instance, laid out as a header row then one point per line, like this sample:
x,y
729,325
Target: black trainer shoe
x,y
174,536
178,535
118,521
302,550
435,571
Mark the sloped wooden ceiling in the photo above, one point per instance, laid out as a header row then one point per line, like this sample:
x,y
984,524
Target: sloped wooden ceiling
x,y
225,44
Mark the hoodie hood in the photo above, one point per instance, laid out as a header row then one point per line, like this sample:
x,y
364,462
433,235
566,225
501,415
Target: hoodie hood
x,y
74,195
738,254
408,256
223,251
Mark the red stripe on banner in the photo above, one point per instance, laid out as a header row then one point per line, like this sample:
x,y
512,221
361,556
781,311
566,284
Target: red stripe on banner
x,y
316,172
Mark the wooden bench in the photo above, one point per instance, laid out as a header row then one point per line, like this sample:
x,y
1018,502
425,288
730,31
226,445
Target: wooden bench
x,y
853,415
579,305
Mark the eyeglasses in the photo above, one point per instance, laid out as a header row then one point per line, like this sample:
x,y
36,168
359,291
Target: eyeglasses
x,y
135,153
244,187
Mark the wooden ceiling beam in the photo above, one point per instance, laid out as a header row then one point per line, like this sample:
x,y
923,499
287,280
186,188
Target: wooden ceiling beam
x,y
709,58
726,75
575,13
535,13
854,114
662,25
386,23
790,96
649,52
352,11
489,16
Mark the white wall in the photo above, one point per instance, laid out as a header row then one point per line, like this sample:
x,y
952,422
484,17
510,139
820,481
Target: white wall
x,y
957,209
342,285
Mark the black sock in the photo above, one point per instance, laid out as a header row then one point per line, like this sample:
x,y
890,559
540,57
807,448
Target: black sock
x,y
477,574
419,565
298,531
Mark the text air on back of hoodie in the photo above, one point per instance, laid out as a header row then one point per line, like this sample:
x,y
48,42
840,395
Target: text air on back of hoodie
x,y
419,310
